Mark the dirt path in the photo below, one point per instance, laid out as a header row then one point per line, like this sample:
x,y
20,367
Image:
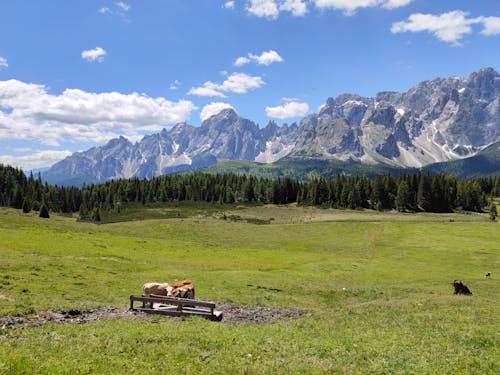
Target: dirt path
x,y
232,314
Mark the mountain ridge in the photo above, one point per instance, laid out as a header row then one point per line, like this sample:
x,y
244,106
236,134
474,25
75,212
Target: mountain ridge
x,y
435,121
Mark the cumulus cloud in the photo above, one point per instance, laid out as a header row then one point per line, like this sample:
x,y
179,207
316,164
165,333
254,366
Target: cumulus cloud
x,y
271,9
392,4
229,5
3,62
350,6
238,83
263,8
298,8
40,159
96,54
213,109
288,110
491,25
75,115
448,27
265,58
240,61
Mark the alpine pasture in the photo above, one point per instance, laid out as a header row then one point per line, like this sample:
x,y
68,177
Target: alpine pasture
x,y
376,289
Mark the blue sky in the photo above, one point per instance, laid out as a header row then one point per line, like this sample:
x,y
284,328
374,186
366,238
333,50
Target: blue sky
x,y
74,74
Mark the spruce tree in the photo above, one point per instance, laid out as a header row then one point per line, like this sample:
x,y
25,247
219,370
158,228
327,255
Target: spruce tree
x,y
44,211
404,197
26,206
424,195
493,211
96,215
83,212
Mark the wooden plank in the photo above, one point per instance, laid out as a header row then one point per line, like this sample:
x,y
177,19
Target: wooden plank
x,y
217,316
171,301
173,306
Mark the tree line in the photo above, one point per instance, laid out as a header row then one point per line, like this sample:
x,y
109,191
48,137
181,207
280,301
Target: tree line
x,y
407,192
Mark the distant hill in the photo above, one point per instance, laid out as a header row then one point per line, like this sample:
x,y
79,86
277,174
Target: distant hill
x,y
485,163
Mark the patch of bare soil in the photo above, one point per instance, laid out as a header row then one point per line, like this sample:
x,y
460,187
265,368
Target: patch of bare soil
x,y
232,314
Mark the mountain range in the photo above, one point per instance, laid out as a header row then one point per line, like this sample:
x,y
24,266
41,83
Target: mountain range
x,y
436,121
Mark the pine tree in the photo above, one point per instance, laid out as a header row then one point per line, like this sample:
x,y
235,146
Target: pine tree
x,y
403,197
26,206
44,211
493,211
424,195
83,212
96,215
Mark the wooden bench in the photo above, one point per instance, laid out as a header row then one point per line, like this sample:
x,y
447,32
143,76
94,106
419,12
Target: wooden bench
x,y
173,306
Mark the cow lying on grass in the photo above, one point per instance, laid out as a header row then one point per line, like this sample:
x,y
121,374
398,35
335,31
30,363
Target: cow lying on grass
x,y
180,289
459,287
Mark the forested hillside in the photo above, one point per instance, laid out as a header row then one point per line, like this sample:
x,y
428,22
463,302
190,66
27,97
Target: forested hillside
x,y
407,192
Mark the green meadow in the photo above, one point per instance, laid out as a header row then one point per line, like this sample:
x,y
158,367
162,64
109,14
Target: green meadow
x,y
376,286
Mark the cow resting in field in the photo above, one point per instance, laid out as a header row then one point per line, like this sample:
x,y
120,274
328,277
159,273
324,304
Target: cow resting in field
x,y
183,289
180,289
459,287
159,289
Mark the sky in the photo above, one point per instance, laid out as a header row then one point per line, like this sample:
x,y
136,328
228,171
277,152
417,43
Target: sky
x,y
75,74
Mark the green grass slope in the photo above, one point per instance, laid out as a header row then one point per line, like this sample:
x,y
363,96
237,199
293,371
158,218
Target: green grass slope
x,y
378,291
485,163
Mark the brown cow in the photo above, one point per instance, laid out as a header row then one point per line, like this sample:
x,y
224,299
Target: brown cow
x,y
459,287
183,289
159,289
180,289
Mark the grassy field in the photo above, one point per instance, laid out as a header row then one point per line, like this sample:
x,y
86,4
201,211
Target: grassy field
x,y
377,285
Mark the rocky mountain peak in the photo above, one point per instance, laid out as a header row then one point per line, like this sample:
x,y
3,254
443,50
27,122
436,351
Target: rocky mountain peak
x,y
437,120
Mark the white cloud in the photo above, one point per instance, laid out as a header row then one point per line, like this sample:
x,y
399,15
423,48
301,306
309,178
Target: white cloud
x,y
175,85
119,8
239,83
3,62
41,159
213,109
263,8
208,89
491,25
229,5
265,58
271,9
350,6
123,6
392,4
79,116
298,8
104,10
240,61
288,110
448,27
96,54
